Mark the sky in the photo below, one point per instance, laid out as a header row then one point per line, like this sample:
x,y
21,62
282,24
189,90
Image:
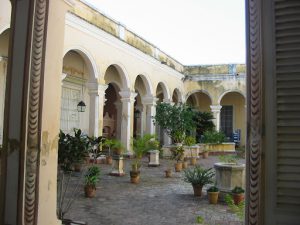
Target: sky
x,y
191,31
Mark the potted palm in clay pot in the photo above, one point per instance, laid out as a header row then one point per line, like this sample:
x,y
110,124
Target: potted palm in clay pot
x,y
178,155
108,143
198,177
91,178
189,141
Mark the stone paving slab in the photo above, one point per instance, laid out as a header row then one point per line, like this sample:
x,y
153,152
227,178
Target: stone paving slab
x,y
155,201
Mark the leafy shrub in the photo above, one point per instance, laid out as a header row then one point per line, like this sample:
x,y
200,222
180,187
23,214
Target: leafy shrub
x,y
239,209
92,176
199,175
213,137
213,189
237,190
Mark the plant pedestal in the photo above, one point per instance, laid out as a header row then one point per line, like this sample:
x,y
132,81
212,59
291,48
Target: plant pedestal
x,y
154,158
229,175
118,166
213,197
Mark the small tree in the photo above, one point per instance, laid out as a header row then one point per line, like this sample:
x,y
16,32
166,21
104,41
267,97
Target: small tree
x,y
176,120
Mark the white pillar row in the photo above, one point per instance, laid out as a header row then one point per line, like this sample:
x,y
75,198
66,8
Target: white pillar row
x,y
150,103
101,104
140,121
216,111
167,139
127,100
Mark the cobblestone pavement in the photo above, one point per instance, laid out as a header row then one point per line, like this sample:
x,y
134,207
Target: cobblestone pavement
x,y
156,200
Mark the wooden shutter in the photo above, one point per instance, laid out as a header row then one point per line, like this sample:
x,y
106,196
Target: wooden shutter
x,y
287,73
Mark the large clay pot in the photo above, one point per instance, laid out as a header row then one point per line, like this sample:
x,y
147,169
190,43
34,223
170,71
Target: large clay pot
x,y
213,197
89,191
197,189
238,198
178,167
168,173
193,161
109,160
135,177
184,165
205,155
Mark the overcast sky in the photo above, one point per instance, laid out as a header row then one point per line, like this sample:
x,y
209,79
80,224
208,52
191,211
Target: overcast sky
x,y
191,31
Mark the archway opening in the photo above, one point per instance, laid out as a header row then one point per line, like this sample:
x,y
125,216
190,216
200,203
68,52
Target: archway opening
x,y
177,96
233,117
200,101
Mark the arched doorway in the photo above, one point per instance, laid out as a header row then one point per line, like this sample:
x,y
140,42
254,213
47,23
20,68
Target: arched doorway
x,y
78,84
177,96
4,43
233,116
143,91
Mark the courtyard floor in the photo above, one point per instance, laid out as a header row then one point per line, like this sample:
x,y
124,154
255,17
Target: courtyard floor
x,y
156,200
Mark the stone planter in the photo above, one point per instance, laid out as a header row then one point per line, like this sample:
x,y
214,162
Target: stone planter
x,y
229,175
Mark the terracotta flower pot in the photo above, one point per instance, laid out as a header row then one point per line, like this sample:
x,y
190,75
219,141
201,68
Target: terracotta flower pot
x,y
193,161
108,160
184,165
205,155
238,198
178,167
213,197
89,191
168,173
197,189
135,177
77,167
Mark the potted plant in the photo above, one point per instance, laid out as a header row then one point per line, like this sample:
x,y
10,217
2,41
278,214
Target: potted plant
x,y
140,147
91,178
238,194
117,147
198,177
213,194
178,155
108,143
189,141
95,146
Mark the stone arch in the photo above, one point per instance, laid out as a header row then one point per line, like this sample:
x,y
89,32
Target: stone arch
x,y
202,91
201,99
124,77
146,82
88,59
165,90
177,94
229,91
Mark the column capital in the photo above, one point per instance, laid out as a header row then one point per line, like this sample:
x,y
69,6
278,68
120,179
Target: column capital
x,y
127,96
149,100
215,108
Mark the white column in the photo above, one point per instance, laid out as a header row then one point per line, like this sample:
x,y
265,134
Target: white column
x,y
140,121
127,99
216,111
93,108
118,106
101,104
150,103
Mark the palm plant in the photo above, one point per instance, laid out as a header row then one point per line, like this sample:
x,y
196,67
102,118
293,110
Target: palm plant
x,y
199,176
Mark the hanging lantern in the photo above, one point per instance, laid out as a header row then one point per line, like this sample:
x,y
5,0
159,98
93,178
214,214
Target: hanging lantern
x,y
81,106
137,114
